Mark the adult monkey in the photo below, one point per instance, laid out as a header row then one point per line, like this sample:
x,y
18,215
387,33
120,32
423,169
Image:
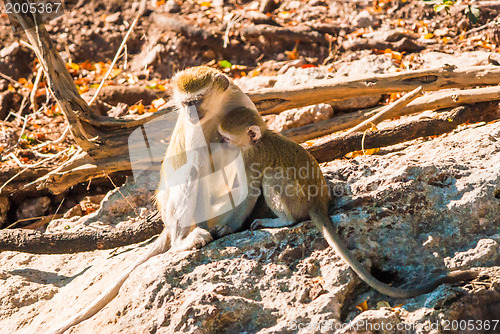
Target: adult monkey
x,y
203,96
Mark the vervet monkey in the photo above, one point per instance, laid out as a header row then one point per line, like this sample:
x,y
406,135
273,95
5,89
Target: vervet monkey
x,y
203,96
277,166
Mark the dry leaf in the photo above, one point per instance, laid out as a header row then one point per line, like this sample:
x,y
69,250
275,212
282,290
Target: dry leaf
x,y
137,109
253,73
354,154
294,54
382,303
398,306
363,306
371,151
318,280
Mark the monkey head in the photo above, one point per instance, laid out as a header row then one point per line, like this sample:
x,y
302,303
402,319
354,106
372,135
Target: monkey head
x,y
242,127
200,92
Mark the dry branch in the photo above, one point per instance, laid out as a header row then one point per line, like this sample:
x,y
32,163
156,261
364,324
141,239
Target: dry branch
x,y
29,241
439,100
99,136
273,100
446,122
387,111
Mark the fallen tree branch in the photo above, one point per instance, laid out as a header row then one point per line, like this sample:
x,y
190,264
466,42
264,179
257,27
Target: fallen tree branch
x,y
439,100
274,100
446,122
35,242
392,110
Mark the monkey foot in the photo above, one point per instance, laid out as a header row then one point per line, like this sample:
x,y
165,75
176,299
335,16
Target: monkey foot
x,y
220,231
198,238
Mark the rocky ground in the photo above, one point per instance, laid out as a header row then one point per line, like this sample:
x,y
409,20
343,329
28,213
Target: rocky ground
x,y
409,212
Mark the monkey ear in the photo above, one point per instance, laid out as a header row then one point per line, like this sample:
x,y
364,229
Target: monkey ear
x,y
221,81
254,133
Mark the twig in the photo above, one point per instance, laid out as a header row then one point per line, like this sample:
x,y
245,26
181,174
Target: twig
x,y
14,82
231,21
495,21
140,11
7,124
31,166
391,109
38,78
28,45
57,141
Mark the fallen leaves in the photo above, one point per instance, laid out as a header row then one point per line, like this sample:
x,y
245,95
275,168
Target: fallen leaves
x,y
363,306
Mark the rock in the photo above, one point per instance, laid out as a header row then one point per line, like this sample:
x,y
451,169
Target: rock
x,y
248,84
8,137
463,59
301,116
364,20
4,208
371,64
172,7
354,103
114,18
33,207
280,280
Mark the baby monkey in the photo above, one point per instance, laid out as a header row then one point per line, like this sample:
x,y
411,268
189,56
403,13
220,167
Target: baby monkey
x,y
295,189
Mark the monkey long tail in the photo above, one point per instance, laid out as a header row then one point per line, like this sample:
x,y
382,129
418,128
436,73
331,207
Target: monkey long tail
x,y
322,222
160,246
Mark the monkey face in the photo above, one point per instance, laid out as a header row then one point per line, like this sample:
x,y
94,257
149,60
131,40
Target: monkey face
x,y
193,111
201,89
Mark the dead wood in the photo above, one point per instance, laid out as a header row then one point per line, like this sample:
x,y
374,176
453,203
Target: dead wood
x,y
99,136
445,122
393,109
35,242
274,100
439,100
